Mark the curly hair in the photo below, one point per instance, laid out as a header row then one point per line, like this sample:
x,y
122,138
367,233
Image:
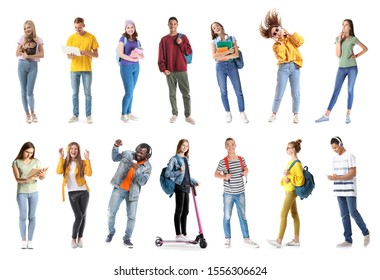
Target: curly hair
x,y
272,19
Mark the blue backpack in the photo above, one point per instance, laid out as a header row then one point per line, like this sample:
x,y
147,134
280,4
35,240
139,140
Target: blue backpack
x,y
167,184
117,49
305,190
189,58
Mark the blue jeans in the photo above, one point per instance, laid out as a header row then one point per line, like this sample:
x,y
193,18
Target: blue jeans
x,y
347,206
27,205
117,197
129,74
292,72
229,200
27,74
75,82
228,69
351,73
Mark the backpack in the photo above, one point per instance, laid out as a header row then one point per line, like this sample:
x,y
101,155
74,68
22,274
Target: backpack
x,y
117,50
167,184
189,57
305,190
228,166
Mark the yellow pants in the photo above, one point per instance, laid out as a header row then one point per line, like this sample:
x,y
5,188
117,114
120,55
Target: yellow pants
x,y
290,204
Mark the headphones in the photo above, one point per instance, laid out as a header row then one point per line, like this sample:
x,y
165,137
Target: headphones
x,y
340,143
145,146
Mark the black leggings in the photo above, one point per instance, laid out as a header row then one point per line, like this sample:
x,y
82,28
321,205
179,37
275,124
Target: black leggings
x,y
181,212
79,202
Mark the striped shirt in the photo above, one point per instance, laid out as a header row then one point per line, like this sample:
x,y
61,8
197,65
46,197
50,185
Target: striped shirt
x,y
341,166
236,184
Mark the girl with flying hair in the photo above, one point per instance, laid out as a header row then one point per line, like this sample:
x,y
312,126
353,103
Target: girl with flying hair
x,y
74,170
289,58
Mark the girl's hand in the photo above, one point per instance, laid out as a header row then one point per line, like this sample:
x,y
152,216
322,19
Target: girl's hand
x,y
286,180
86,155
182,169
61,152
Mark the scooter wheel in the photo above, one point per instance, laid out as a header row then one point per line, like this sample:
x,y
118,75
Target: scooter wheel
x,y
203,243
158,242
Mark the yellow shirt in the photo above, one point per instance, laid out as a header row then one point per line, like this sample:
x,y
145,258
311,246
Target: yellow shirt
x,y
80,180
295,176
85,42
286,49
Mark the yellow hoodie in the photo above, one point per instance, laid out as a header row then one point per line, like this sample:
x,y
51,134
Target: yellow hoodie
x,y
295,176
286,49
80,180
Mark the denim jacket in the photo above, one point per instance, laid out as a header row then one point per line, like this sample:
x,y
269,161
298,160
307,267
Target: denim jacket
x,y
141,177
174,173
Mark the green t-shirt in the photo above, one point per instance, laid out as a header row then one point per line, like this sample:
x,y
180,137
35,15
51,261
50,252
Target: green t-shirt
x,y
24,170
347,49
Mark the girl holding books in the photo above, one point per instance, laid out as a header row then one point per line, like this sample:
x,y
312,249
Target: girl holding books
x,y
224,51
27,170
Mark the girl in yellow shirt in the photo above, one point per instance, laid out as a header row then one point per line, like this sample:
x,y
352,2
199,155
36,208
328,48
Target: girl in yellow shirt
x,y
292,177
74,170
289,58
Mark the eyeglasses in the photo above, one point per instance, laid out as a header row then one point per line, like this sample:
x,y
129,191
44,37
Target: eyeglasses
x,y
276,32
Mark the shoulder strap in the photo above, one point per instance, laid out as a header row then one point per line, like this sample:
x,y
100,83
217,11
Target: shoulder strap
x,y
293,163
227,165
125,40
138,44
241,162
179,35
178,160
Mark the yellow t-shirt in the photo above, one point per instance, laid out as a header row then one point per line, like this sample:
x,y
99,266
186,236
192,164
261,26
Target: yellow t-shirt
x,y
85,42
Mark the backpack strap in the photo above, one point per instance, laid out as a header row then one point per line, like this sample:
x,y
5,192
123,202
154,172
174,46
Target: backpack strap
x,y
180,35
241,163
178,160
293,163
227,165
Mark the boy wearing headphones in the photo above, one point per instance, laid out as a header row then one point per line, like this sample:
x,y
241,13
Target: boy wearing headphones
x,y
133,172
344,177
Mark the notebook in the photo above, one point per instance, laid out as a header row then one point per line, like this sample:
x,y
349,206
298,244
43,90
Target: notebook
x,y
71,50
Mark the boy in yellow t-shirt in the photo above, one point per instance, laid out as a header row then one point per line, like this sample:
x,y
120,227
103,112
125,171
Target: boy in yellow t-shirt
x,y
81,66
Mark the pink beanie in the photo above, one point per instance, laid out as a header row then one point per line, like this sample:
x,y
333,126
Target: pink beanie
x,y
128,21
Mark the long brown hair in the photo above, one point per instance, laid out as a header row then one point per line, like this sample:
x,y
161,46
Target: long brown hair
x,y
272,19
78,160
24,147
214,35
179,147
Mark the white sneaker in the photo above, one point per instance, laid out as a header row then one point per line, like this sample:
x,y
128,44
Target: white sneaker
x,y
73,119
132,117
228,117
296,118
243,117
366,240
124,118
190,120
292,243
74,244
24,245
274,243
89,120
272,118
180,238
34,118
249,242
28,118
344,244
30,244
80,243
227,243
173,119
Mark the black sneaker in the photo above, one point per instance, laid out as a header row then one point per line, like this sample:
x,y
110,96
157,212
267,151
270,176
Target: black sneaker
x,y
128,243
109,238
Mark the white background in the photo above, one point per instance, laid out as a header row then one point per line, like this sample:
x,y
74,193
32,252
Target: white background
x,y
261,143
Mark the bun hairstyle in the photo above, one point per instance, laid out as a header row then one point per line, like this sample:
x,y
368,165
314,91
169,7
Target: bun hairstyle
x,y
272,19
296,145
